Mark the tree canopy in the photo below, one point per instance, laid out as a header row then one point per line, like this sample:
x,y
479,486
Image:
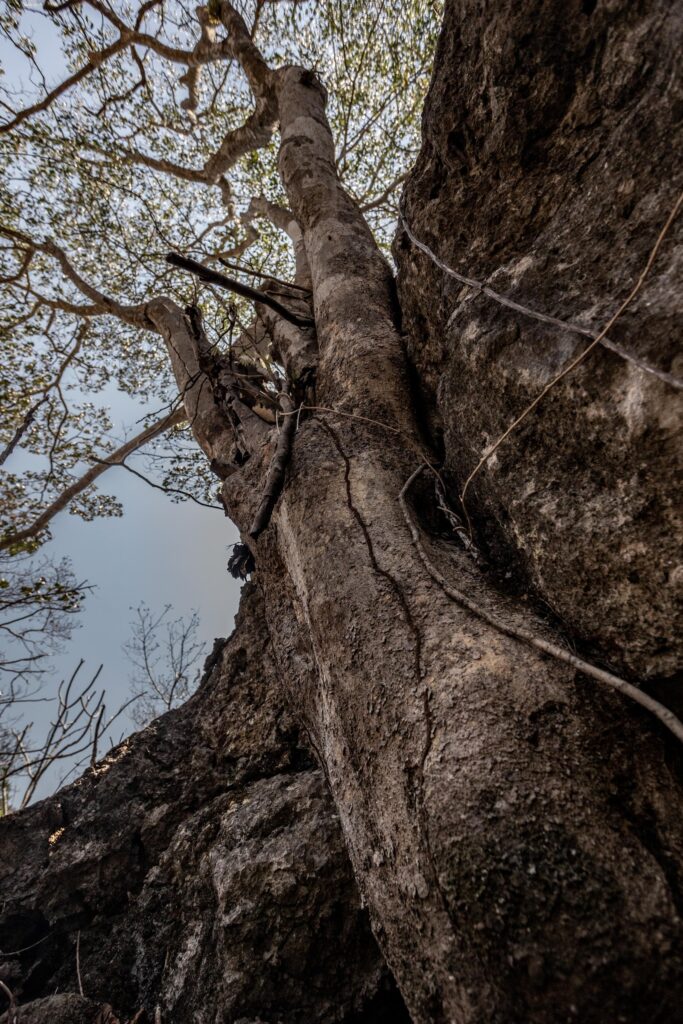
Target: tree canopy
x,y
121,143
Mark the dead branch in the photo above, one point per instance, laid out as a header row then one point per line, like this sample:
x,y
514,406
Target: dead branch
x,y
276,471
266,277
12,1008
78,962
231,284
166,655
77,727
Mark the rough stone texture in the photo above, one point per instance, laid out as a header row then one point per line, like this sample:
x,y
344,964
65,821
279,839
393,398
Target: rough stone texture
x,y
516,832
549,163
202,864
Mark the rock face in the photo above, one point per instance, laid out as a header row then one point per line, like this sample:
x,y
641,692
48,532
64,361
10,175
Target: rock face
x,y
547,169
203,867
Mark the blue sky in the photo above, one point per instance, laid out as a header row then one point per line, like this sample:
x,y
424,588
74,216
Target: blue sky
x,y
158,553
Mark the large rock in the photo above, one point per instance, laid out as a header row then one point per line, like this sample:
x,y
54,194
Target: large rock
x,y
550,161
201,864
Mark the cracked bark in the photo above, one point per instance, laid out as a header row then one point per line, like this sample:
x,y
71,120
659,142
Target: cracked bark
x,y
482,797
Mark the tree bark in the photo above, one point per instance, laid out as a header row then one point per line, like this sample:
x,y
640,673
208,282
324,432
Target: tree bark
x,y
510,870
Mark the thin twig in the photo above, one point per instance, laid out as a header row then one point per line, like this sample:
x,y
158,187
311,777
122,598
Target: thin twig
x,y
160,487
580,358
24,949
78,963
663,713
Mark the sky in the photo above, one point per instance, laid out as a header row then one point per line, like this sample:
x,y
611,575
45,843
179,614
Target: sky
x,y
159,552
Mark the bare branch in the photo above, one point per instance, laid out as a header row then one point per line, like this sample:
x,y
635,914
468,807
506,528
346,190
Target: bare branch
x,y
279,216
231,284
266,277
255,133
134,156
13,540
165,655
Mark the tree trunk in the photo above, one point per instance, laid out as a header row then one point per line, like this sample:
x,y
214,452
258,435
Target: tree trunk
x,y
514,828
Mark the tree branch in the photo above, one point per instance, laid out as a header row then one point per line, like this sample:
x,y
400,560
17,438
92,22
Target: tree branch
x,y
246,53
134,315
33,409
230,284
276,471
95,60
12,540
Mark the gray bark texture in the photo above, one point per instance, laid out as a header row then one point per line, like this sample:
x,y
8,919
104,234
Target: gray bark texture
x,y
514,827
